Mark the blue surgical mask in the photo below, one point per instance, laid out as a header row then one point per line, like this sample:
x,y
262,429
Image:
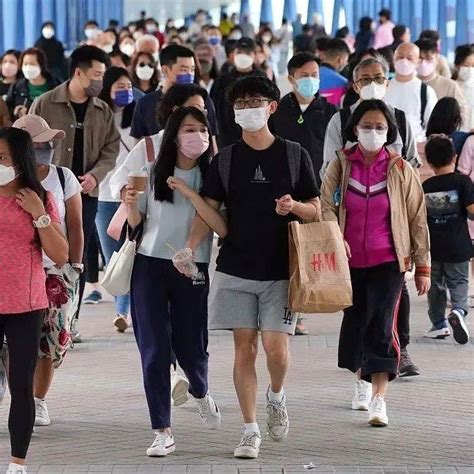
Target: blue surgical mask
x,y
123,97
184,78
214,40
307,86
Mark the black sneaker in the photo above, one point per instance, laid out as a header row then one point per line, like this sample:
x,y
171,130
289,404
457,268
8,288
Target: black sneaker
x,y
407,368
458,325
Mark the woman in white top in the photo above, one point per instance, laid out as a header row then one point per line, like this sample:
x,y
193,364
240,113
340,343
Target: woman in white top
x,y
169,310
118,93
62,283
464,76
187,95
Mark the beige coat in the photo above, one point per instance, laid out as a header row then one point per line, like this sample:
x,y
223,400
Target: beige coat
x,y
101,137
407,207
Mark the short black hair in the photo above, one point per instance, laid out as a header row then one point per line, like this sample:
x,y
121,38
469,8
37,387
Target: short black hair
x,y
365,23
299,60
306,28
360,111
83,56
336,47
432,35
445,117
439,151
246,44
91,22
386,13
462,52
47,23
124,57
229,46
253,86
169,55
321,44
398,31
427,45
342,32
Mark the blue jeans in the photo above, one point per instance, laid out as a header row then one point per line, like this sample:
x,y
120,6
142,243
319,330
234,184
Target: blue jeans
x,y
105,212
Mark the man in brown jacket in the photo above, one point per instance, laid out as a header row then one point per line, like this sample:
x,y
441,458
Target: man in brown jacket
x,y
92,141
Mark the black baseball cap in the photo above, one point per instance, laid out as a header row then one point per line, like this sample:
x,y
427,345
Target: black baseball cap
x,y
246,44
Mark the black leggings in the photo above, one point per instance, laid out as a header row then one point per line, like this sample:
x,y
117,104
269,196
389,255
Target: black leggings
x,y
22,333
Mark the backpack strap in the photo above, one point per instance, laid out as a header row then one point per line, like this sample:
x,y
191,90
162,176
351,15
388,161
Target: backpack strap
x,y
293,152
150,150
424,93
224,162
62,178
402,129
345,115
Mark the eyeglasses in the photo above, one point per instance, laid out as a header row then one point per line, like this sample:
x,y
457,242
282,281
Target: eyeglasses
x,y
378,129
145,64
366,81
251,103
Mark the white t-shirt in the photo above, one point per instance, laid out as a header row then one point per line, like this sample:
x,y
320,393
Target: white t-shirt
x,y
136,160
126,144
406,96
71,187
468,91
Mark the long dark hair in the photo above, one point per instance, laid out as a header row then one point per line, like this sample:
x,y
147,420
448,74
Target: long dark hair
x,y
24,158
166,161
112,75
154,80
445,117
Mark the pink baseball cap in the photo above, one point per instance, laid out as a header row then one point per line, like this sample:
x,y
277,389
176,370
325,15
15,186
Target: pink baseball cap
x,y
38,128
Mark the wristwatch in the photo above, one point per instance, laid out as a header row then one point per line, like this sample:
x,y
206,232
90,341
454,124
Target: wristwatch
x,y
42,222
78,266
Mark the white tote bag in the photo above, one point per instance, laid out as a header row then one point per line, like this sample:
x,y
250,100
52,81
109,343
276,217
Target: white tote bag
x,y
118,273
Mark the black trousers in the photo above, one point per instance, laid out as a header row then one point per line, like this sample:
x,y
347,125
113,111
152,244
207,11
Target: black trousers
x,y
22,333
89,211
368,338
403,320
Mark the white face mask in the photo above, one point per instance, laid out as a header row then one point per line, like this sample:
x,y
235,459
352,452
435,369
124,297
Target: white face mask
x,y
91,33
7,175
373,91
251,120
236,35
31,72
144,73
127,49
466,74
47,32
108,48
243,61
371,140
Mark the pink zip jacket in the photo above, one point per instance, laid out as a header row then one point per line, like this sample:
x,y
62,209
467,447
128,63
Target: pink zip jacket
x,y
368,228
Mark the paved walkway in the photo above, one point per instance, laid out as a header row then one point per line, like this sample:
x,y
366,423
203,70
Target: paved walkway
x,y
100,421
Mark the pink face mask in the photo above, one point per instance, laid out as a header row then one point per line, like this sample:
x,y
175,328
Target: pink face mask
x,y
193,145
426,68
404,67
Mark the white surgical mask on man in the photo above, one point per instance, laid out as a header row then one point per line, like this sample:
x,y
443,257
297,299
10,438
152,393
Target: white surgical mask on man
x,y
251,120
373,91
243,61
47,32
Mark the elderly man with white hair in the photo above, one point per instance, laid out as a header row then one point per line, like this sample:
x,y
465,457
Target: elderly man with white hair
x,y
148,44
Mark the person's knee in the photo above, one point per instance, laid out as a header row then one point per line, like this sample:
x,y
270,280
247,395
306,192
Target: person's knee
x,y
246,349
277,352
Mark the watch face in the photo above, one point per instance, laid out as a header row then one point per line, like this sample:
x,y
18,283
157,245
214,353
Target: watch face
x,y
43,222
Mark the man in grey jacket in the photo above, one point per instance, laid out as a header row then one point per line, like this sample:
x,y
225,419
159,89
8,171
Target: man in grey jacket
x,y
370,82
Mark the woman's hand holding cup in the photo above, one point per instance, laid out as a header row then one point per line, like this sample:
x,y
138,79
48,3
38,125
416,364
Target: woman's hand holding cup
x,y
131,197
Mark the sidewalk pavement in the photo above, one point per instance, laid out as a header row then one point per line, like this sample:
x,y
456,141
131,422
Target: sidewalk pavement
x,y
100,422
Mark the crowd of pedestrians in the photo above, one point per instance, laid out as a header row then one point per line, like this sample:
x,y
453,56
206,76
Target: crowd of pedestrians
x,y
166,136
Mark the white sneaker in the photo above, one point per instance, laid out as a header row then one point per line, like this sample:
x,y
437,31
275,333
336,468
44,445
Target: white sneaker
x,y
278,423
458,325
162,446
209,412
249,446
42,415
16,469
363,395
179,389
434,333
378,412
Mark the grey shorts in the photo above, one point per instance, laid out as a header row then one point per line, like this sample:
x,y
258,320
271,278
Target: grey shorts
x,y
236,303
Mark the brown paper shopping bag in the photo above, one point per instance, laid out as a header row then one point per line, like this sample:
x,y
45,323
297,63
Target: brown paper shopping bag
x,y
320,281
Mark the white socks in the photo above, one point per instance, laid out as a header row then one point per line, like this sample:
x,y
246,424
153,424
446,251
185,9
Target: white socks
x,y
251,428
275,397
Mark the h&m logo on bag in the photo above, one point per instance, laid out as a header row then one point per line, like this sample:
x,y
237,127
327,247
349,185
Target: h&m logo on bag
x,y
324,262
288,317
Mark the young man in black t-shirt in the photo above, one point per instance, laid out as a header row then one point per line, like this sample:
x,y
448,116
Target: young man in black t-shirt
x,y
449,199
258,182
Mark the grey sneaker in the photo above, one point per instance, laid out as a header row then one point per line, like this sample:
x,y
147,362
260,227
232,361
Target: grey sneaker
x,y
407,368
278,423
249,446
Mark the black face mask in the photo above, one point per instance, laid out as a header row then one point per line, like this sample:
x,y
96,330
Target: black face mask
x,y
44,157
